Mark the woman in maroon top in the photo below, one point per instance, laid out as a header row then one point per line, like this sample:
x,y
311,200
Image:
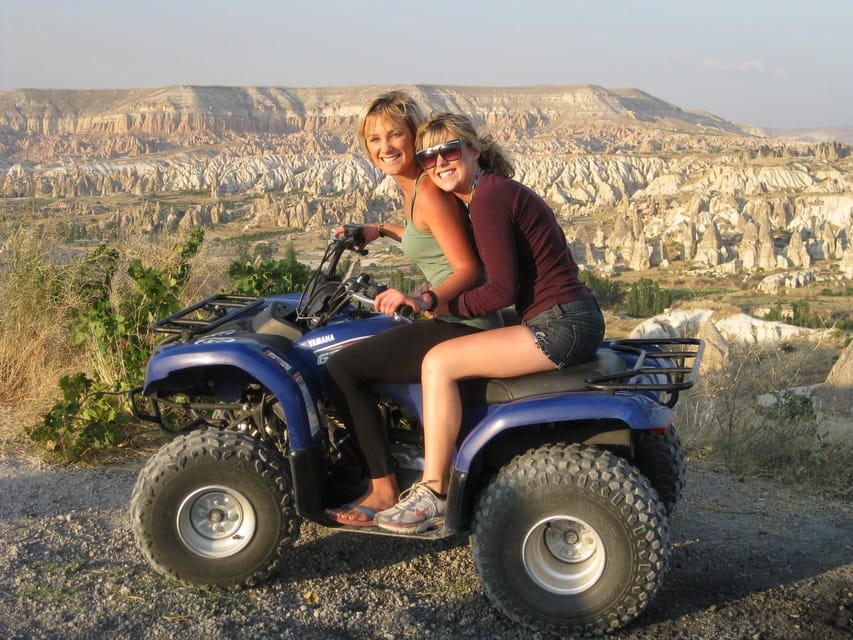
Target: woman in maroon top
x,y
528,264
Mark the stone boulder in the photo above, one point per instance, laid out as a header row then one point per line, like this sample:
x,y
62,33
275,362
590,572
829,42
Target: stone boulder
x,y
673,324
834,398
743,330
717,352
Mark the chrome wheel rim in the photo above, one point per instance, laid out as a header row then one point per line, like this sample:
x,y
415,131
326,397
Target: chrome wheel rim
x,y
564,555
216,521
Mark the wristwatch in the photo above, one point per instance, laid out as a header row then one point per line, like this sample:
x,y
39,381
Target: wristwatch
x,y
423,305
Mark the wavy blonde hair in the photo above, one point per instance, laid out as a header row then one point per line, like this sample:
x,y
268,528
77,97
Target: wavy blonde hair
x,y
492,157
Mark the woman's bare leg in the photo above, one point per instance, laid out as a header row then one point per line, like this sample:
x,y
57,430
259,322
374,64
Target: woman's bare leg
x,y
497,353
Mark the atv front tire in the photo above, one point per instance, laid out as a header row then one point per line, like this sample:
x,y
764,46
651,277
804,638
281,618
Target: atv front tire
x,y
214,508
570,539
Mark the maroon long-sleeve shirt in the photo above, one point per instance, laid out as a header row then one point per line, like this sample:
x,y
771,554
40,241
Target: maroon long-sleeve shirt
x,y
523,249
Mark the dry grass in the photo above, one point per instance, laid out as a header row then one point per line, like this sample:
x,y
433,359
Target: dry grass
x,y
35,351
38,299
728,417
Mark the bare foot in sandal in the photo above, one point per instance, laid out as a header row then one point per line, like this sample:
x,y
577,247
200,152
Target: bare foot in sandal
x,y
382,493
354,515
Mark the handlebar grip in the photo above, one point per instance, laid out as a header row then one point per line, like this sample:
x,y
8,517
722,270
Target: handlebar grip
x,y
405,311
369,290
356,233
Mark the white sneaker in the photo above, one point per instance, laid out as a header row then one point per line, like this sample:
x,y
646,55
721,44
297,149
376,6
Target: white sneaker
x,y
419,510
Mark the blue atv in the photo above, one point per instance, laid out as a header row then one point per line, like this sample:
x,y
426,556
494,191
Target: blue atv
x,y
564,480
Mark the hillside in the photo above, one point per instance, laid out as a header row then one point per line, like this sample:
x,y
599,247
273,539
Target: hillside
x,y
639,184
247,110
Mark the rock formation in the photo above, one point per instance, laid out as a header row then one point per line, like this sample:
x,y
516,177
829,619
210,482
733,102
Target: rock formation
x,y
627,170
834,398
717,352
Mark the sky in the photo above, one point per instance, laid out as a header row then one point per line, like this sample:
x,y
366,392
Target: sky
x,y
769,63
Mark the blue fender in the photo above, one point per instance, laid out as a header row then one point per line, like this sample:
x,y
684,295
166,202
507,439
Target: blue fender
x,y
281,375
636,410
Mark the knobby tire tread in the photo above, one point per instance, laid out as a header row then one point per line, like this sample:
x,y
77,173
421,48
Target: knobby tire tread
x,y
187,449
603,477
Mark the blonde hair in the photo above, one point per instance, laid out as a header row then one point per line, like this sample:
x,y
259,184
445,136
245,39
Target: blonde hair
x,y
393,105
492,157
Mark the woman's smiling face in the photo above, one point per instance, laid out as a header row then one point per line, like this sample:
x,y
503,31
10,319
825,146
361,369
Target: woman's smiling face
x,y
390,143
457,174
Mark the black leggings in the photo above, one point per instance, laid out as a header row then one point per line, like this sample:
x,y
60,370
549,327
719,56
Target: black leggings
x,y
392,356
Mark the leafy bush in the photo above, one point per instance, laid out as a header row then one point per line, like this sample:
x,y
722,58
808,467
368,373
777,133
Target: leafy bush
x,y
86,418
113,327
264,277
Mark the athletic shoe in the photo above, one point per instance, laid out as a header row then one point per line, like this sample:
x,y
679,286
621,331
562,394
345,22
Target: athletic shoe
x,y
419,510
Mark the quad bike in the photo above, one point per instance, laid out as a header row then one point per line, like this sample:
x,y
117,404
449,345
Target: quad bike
x,y
563,479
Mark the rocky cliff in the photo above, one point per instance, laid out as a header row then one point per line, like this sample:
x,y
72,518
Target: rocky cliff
x,y
636,181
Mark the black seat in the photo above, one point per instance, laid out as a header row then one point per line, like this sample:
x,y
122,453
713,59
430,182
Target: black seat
x,y
497,390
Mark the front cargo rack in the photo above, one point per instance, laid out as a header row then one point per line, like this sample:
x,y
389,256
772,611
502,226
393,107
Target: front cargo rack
x,y
659,364
206,315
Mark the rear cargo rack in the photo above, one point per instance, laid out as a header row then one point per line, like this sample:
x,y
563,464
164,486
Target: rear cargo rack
x,y
659,364
206,315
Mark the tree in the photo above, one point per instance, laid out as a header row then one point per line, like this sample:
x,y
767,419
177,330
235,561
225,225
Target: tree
x,y
608,292
269,277
645,298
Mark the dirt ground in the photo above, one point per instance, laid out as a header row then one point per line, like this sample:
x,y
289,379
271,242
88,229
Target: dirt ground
x,y
751,559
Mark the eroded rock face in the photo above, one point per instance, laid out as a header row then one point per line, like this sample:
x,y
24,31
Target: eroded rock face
x,y
717,351
788,280
834,398
628,175
837,393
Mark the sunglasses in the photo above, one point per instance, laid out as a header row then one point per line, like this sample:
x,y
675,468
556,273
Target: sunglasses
x,y
450,151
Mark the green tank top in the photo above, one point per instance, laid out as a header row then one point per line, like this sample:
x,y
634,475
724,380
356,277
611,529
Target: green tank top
x,y
423,249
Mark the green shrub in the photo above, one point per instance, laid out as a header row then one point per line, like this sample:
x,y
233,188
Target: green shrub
x,y
801,315
607,292
645,298
85,419
269,277
114,328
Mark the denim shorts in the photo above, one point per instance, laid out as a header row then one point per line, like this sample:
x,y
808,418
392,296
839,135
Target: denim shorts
x,y
569,333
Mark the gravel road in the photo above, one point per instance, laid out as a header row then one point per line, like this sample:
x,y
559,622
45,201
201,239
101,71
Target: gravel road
x,y
751,560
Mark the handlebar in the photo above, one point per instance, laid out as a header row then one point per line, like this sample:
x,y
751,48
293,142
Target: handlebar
x,y
365,291
355,234
326,293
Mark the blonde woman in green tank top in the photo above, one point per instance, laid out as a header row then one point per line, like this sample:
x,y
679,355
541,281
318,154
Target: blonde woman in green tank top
x,y
422,248
436,236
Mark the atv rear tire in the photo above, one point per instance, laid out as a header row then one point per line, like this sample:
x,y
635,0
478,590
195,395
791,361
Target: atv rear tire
x,y
214,508
661,460
570,540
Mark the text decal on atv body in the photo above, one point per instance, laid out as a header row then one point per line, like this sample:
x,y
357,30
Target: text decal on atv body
x,y
325,353
222,336
310,409
316,342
